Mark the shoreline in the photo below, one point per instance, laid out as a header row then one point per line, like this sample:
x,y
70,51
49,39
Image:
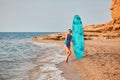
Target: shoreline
x,y
46,63
100,55
68,69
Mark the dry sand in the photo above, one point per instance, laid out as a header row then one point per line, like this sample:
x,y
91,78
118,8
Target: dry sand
x,y
101,60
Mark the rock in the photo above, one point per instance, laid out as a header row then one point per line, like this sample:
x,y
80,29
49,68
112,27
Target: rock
x,y
115,9
108,27
116,27
109,23
109,30
57,36
117,21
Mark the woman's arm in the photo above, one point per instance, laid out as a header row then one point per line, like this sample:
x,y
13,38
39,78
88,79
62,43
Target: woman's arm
x,y
66,37
71,40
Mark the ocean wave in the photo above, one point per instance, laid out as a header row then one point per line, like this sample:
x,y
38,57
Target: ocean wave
x,y
19,56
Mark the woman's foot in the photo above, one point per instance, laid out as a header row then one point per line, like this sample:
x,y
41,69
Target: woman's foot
x,y
66,60
67,57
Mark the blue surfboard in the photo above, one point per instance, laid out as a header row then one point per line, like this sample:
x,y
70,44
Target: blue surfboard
x,y
78,37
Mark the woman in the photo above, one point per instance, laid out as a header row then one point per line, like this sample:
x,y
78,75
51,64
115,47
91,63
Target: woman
x,y
68,39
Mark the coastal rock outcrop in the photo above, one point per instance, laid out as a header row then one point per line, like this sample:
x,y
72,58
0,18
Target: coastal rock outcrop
x,y
115,9
56,36
110,29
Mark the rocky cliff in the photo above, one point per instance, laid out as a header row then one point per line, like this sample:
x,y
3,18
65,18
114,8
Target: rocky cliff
x,y
110,29
115,9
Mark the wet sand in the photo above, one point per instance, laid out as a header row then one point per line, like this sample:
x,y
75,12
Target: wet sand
x,y
101,60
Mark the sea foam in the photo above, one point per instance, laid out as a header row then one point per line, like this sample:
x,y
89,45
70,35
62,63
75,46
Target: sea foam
x,y
48,60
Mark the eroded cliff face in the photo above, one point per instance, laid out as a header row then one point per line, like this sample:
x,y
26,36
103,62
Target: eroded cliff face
x,y
110,29
115,9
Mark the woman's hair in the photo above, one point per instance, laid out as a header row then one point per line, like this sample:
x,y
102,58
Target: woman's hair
x,y
70,30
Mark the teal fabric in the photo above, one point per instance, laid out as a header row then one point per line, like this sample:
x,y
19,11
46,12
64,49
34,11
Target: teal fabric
x,y
78,37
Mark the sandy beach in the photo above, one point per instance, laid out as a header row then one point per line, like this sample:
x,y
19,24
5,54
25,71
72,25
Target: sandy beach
x,y
101,60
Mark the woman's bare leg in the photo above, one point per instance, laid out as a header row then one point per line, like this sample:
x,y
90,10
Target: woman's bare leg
x,y
68,54
65,49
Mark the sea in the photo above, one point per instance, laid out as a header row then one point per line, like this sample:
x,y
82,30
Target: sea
x,y
24,59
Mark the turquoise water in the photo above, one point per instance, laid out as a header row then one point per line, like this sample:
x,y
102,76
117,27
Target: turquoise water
x,y
18,54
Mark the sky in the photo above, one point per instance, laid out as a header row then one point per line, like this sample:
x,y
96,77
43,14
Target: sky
x,y
50,15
